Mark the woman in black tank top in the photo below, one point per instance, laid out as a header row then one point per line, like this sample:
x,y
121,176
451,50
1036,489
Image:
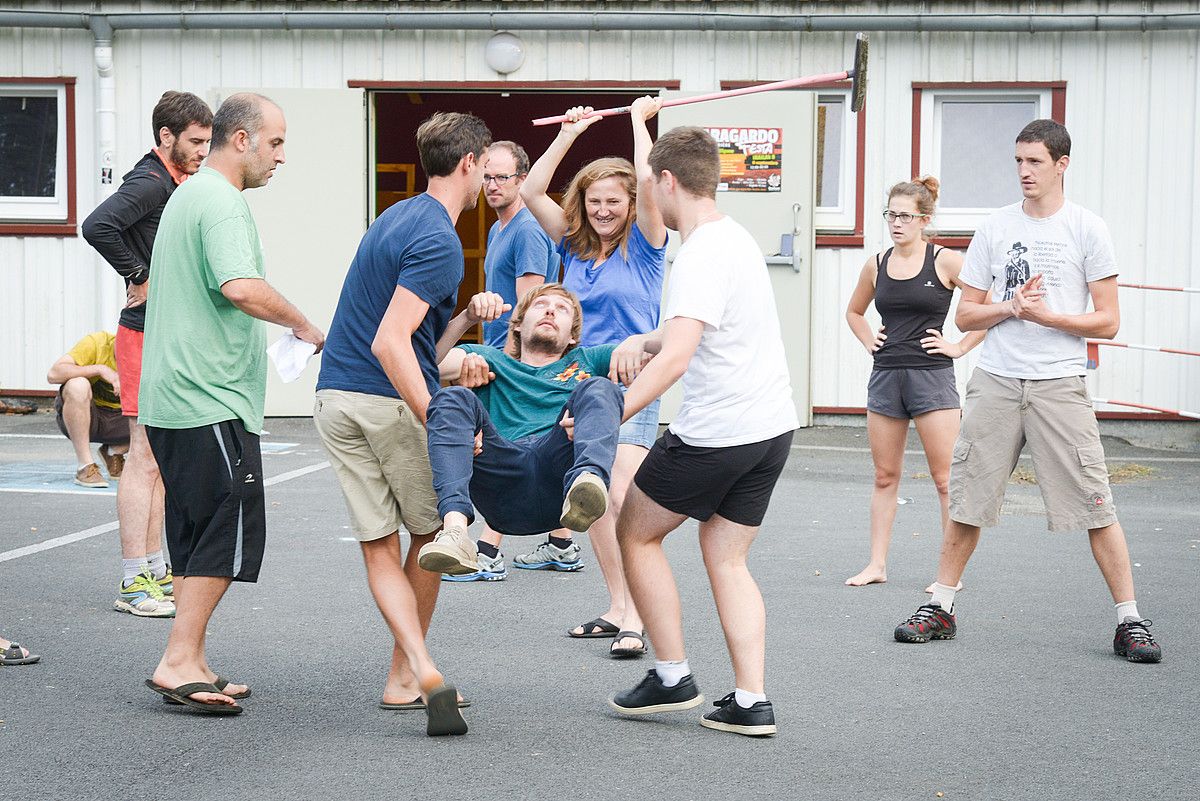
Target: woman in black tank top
x,y
911,284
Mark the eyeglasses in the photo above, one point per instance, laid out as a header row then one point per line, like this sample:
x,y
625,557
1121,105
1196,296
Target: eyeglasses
x,y
500,180
903,216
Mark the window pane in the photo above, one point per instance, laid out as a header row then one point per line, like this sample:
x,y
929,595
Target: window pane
x,y
28,146
977,152
830,119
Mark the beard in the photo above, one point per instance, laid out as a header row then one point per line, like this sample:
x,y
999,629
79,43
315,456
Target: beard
x,y
545,341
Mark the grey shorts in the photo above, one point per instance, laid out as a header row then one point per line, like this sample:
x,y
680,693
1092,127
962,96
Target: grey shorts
x,y
905,393
1054,417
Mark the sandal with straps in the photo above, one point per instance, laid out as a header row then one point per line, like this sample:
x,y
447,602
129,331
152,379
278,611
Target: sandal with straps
x,y
628,653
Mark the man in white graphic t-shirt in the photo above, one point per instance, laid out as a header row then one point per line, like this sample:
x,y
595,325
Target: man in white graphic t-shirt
x,y
1029,385
721,457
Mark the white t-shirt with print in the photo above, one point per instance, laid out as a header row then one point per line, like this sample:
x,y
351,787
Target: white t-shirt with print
x,y
1070,248
736,390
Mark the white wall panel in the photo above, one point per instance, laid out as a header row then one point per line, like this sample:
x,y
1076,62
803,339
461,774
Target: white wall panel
x,y
1133,107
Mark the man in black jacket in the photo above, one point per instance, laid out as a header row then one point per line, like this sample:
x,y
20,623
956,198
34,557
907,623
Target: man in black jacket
x,y
122,230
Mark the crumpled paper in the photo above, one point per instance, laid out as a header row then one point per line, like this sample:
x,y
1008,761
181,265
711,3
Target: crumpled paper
x,y
290,355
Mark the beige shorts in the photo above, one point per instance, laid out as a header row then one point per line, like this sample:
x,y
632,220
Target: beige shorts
x,y
377,448
1055,417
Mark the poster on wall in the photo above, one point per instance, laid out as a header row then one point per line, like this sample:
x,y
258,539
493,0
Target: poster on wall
x,y
751,158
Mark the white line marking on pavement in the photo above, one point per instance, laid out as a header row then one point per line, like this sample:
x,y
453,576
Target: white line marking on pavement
x,y
845,449
95,493
96,531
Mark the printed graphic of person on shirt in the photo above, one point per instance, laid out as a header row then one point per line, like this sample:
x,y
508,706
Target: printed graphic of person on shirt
x,y
1016,270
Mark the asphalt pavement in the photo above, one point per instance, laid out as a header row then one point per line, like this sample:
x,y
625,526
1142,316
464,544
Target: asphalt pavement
x,y
1028,702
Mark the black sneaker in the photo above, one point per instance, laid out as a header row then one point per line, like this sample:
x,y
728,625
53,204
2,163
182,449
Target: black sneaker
x,y
1133,642
929,622
757,721
651,696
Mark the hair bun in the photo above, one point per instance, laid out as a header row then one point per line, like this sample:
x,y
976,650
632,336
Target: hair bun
x,y
930,183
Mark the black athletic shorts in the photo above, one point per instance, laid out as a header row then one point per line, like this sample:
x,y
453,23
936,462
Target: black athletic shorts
x,y
215,515
734,482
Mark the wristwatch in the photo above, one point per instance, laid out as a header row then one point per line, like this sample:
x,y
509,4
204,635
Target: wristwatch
x,y
139,276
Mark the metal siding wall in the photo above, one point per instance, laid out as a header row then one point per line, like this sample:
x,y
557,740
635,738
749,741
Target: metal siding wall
x,y
1144,178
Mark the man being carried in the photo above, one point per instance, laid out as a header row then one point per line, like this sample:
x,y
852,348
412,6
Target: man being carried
x,y
1029,386
719,460
122,230
519,257
534,447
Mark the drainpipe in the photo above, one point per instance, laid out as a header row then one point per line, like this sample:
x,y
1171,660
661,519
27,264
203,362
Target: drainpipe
x,y
106,138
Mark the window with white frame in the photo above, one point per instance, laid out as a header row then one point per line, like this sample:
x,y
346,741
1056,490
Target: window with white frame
x,y
33,152
967,140
837,162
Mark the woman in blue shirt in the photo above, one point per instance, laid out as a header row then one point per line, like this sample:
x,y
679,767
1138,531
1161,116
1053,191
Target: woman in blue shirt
x,y
613,245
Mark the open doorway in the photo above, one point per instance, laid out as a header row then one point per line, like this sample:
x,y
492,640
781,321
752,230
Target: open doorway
x,y
397,168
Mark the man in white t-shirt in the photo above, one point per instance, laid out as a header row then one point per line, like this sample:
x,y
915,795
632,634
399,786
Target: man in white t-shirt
x,y
1042,258
719,461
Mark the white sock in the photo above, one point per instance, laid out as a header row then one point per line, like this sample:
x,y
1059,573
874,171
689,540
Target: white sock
x,y
158,564
132,568
1127,609
943,595
671,673
746,699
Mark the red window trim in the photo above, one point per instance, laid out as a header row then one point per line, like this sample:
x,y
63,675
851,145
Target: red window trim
x,y
506,86
1058,113
67,227
853,239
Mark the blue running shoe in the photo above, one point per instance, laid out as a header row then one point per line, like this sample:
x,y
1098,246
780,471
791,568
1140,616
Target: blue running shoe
x,y
489,570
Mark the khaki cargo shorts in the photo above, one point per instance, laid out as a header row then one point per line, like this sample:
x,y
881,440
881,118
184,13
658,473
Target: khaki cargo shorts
x,y
377,449
1055,417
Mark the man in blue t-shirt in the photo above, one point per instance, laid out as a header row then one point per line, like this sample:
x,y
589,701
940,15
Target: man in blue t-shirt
x,y
377,376
519,254
533,447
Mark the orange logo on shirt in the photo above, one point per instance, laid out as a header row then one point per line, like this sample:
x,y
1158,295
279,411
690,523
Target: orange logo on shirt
x,y
573,371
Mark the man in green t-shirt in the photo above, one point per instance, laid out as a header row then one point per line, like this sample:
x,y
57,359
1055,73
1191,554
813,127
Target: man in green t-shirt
x,y
533,447
204,383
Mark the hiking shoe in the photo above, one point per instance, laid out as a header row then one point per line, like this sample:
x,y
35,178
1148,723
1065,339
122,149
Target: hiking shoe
x,y
549,556
489,570
929,622
586,502
144,598
452,551
113,462
167,585
652,696
89,476
1134,642
757,721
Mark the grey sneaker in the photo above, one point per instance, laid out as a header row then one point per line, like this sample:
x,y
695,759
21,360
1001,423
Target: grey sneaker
x,y
489,570
586,502
549,557
452,551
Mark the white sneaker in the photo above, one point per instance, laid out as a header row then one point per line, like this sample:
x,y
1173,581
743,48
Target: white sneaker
x,y
586,502
452,551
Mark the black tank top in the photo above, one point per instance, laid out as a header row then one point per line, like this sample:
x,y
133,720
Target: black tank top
x,y
908,309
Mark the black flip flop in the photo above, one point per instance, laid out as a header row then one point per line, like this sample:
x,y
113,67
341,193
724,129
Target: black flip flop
x,y
628,653
221,683
13,655
416,703
441,707
598,628
183,691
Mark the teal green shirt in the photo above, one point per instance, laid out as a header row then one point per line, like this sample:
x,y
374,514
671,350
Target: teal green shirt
x,y
204,359
525,400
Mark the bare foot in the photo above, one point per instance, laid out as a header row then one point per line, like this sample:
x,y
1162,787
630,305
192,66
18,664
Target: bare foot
x,y
171,677
869,575
929,589
404,689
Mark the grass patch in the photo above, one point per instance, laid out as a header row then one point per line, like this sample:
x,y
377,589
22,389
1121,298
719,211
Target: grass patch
x,y
1117,473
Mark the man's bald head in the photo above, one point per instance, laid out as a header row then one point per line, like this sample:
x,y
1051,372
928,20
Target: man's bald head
x,y
240,112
